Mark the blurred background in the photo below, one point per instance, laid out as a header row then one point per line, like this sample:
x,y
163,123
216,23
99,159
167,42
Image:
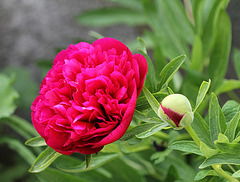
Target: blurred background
x,y
32,31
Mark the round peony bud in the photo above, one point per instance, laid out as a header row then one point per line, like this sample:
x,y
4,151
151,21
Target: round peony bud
x,y
176,110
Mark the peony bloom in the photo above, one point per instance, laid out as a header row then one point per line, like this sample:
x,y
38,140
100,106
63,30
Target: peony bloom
x,y
176,110
87,99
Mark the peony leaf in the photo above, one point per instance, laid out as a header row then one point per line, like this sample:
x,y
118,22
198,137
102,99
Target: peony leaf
x,y
170,69
202,93
21,149
230,148
88,158
111,16
36,142
236,59
201,129
96,162
152,130
142,102
236,174
150,82
221,158
151,100
230,109
202,174
232,126
186,146
228,85
45,159
50,175
140,129
216,122
7,95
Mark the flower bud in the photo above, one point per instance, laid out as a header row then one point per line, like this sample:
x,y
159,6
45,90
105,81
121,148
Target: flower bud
x,y
176,110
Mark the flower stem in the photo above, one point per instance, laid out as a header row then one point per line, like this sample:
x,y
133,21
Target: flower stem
x,y
220,171
193,135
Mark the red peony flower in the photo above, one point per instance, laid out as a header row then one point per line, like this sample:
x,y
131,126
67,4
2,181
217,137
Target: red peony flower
x,y
87,99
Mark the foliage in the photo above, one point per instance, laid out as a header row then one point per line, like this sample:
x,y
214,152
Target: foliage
x,y
189,45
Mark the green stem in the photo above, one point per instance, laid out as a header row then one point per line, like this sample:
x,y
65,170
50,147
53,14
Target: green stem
x,y
193,135
233,170
220,171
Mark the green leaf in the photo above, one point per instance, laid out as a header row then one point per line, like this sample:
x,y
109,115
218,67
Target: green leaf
x,y
207,151
142,102
36,142
140,116
150,81
21,126
197,54
8,95
222,138
230,108
152,130
111,16
236,60
230,148
111,148
228,85
232,126
50,175
202,93
221,49
151,100
236,174
88,159
21,149
25,86
186,146
221,158
96,162
142,129
45,159
214,117
204,173
170,69
201,129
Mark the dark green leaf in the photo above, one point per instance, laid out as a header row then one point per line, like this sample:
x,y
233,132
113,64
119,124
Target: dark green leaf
x,y
141,129
230,108
170,69
88,158
202,93
96,162
8,95
197,54
45,159
222,158
236,59
232,126
50,175
21,149
24,84
151,81
152,130
140,116
228,85
151,100
201,129
221,49
36,142
214,117
186,146
230,148
111,16
142,102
